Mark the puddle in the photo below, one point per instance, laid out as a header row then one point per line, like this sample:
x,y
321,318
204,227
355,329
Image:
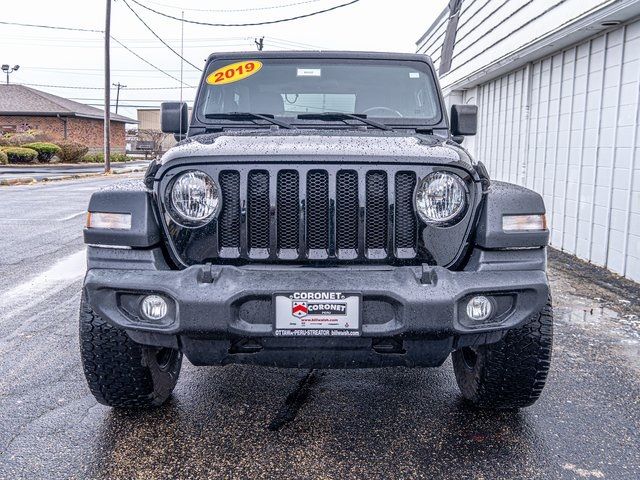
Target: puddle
x,y
46,284
621,332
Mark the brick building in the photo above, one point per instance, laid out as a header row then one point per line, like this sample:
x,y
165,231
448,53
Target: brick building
x,y
24,108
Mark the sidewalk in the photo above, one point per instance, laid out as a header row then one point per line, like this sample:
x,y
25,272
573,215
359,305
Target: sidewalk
x,y
25,174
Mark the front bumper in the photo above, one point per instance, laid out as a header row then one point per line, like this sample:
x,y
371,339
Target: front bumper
x,y
411,316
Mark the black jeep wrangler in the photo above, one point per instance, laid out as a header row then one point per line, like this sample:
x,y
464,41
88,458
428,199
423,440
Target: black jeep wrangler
x,y
318,212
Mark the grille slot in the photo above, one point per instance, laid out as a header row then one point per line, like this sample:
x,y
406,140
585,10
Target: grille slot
x,y
258,209
347,210
288,201
313,214
377,210
406,224
229,221
318,210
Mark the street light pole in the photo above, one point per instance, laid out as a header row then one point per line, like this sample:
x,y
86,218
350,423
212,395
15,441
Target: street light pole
x,y
107,90
7,69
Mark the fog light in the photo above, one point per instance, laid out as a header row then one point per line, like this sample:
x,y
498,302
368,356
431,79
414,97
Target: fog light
x,y
153,307
479,308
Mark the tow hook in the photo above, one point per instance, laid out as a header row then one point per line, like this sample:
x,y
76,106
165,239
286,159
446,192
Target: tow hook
x,y
209,273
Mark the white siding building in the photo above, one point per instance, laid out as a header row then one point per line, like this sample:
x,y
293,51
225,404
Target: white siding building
x,y
557,84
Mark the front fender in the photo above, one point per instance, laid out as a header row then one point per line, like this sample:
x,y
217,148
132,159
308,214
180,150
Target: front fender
x,y
509,199
131,198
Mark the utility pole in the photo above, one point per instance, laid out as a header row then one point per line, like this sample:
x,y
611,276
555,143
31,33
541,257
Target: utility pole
x,y
107,89
181,68
181,56
118,86
259,43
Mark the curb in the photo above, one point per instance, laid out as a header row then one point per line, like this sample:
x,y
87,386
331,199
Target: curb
x,y
78,166
30,180
17,181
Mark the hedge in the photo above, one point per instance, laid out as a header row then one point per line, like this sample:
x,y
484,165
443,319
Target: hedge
x,y
72,152
20,155
3,158
99,158
46,151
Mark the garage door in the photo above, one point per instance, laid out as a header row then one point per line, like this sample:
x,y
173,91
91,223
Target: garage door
x,y
567,127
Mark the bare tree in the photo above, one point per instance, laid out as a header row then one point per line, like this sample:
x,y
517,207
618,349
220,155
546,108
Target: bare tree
x,y
155,136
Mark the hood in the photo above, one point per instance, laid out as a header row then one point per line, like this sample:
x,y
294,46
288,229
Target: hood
x,y
310,144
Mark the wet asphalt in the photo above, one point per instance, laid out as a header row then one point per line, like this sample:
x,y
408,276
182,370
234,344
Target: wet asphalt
x,y
251,422
53,171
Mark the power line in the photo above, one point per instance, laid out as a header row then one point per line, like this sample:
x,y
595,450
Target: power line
x,y
270,22
128,40
145,100
112,38
97,88
148,62
96,46
158,36
127,105
272,7
95,69
285,41
288,46
52,27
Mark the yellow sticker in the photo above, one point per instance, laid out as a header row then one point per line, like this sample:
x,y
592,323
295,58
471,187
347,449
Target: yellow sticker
x,y
234,72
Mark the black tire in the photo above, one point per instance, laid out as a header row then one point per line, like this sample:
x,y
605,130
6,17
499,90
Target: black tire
x,y
511,373
121,372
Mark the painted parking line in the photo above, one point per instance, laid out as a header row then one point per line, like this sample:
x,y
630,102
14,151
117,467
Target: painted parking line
x,y
74,215
44,285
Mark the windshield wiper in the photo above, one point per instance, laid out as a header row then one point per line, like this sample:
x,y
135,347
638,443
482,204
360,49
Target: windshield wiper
x,y
332,116
240,116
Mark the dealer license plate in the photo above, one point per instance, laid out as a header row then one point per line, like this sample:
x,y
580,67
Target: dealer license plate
x,y
317,314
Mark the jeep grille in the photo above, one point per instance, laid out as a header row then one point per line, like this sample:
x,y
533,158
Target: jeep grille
x,y
316,214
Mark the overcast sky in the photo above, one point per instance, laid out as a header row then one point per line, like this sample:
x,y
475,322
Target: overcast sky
x,y
75,59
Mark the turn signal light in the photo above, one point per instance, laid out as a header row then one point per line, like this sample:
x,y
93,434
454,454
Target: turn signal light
x,y
516,223
114,221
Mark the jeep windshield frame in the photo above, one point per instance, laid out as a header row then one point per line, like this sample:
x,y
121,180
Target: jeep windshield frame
x,y
338,82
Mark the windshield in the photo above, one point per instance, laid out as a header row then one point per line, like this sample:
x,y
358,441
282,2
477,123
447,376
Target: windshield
x,y
385,90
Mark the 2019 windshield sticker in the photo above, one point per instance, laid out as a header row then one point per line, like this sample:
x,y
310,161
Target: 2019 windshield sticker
x,y
234,72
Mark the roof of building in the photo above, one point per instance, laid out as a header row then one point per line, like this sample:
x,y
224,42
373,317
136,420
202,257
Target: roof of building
x,y
22,100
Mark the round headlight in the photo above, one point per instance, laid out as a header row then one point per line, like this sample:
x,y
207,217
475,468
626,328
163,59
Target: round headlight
x,y
441,198
194,197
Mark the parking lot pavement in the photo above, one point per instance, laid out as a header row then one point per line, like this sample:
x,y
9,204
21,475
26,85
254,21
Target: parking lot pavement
x,y
250,422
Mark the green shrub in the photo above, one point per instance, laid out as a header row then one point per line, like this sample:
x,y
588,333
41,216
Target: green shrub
x,y
72,152
4,141
20,155
120,157
93,158
46,151
3,158
99,158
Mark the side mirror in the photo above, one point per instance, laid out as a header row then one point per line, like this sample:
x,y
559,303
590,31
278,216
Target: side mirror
x,y
464,120
174,117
